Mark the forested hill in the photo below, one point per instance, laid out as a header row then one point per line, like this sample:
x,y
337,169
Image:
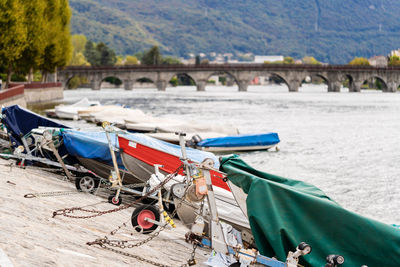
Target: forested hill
x,y
332,31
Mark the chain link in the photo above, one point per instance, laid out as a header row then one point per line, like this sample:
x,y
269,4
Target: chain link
x,y
66,211
51,194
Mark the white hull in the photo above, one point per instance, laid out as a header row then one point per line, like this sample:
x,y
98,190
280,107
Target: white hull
x,y
237,148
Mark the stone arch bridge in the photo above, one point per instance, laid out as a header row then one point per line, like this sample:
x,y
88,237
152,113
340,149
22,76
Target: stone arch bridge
x,y
242,74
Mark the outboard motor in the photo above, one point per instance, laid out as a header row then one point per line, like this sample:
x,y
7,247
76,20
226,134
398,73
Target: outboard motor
x,y
334,260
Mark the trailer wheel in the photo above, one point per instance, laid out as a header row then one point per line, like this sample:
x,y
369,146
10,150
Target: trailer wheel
x,y
86,184
115,201
139,215
235,264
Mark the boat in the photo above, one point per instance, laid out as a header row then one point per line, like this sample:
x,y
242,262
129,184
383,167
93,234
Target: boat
x,y
92,151
140,153
174,139
283,213
20,122
71,111
243,142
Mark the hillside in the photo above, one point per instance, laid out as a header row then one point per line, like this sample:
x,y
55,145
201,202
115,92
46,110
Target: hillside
x,y
332,31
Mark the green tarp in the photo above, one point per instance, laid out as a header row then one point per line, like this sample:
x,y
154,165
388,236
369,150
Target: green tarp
x,y
284,212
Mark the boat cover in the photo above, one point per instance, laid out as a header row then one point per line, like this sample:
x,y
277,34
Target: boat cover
x,y
241,140
284,212
94,145
20,121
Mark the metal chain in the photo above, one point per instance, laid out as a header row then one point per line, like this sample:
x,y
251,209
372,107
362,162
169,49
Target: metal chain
x,y
103,242
66,211
51,194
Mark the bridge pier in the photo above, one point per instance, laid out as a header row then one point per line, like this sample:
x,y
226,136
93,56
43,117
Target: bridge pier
x,y
95,84
201,85
355,86
243,85
161,85
391,87
334,86
128,84
293,86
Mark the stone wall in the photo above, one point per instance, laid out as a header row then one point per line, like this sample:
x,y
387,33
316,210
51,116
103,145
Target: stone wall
x,y
37,95
41,92
13,96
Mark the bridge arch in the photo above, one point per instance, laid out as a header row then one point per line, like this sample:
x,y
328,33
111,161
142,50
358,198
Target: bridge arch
x,y
228,79
313,78
111,80
181,78
375,82
75,81
293,85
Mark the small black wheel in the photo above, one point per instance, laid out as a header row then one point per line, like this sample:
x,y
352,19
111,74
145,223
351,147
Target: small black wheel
x,y
235,264
115,201
87,184
139,216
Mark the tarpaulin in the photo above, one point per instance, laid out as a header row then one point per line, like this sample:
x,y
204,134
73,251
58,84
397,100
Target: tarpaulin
x,y
284,212
265,139
20,121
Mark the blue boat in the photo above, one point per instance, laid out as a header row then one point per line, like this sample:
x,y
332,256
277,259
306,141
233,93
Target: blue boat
x,y
92,151
243,142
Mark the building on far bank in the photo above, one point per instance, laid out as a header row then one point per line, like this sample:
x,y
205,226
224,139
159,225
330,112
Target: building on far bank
x,y
378,61
262,59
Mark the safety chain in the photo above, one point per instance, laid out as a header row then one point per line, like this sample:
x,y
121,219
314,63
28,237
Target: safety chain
x,y
51,194
66,211
103,242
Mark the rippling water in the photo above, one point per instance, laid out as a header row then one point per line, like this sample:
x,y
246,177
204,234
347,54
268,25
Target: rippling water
x,y
344,143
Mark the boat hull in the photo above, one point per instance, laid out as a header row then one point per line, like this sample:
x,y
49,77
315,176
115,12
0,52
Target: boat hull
x,y
140,160
104,170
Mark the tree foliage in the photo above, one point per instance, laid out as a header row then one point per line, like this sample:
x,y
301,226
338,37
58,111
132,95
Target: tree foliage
x,y
310,61
13,38
152,56
359,61
394,60
131,60
100,54
34,35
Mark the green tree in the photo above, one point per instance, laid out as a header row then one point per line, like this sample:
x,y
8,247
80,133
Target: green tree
x,y
13,38
78,48
171,61
152,56
359,61
131,60
91,54
310,61
34,21
106,54
394,60
288,60
78,42
58,49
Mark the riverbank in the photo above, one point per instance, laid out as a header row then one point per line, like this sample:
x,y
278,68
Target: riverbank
x,y
29,235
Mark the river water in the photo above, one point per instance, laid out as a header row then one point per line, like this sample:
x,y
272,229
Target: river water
x,y
347,144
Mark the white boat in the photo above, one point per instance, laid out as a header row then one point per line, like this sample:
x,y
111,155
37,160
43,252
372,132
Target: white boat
x,y
71,111
173,138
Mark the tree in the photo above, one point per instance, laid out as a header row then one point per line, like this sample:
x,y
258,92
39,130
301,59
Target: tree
x,y
152,56
310,61
78,44
91,54
131,60
394,60
58,49
106,54
34,21
288,60
13,39
359,61
171,61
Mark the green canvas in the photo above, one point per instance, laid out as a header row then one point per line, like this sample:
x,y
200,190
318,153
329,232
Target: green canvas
x,y
284,212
